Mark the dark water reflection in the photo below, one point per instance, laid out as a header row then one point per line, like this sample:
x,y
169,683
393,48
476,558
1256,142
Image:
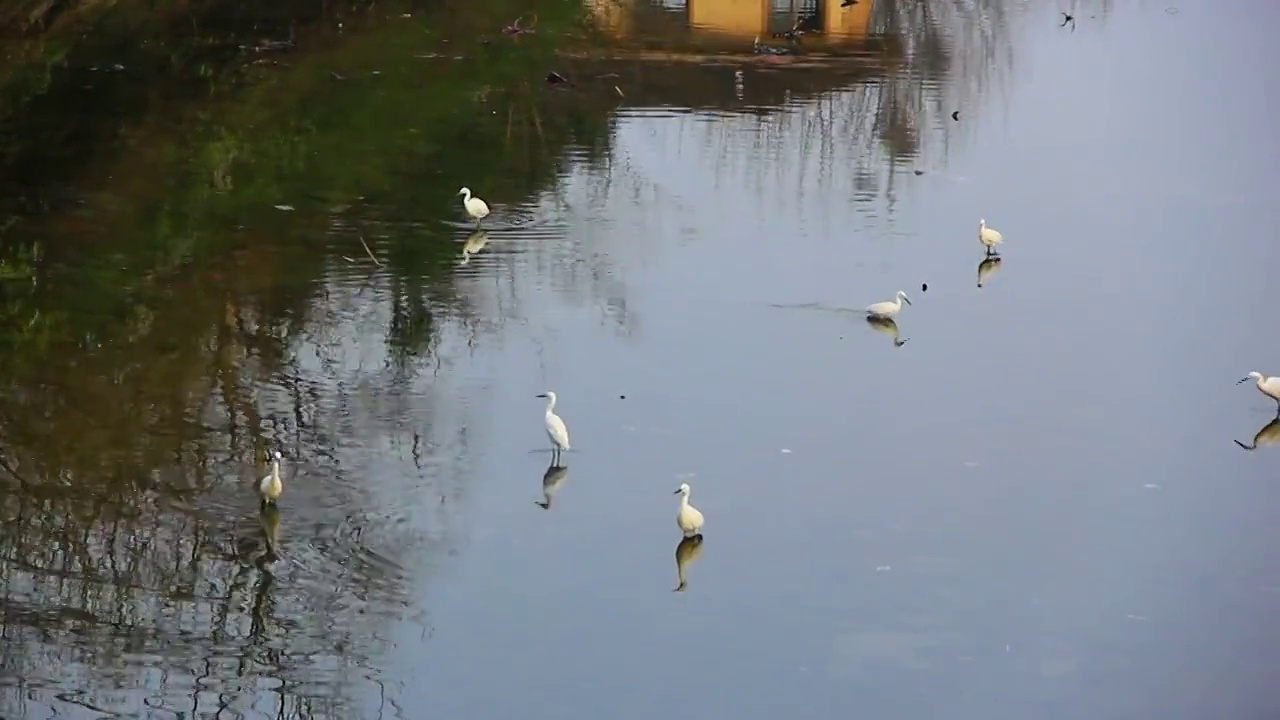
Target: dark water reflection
x,y
1034,507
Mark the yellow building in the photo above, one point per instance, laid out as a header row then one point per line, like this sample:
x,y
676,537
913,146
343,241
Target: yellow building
x,y
827,22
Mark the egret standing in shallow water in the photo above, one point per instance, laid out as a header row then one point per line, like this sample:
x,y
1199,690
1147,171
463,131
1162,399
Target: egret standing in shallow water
x,y
474,206
989,237
556,430
271,485
887,309
1269,386
689,519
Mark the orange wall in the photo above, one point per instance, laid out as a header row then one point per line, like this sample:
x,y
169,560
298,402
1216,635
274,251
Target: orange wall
x,y
612,16
745,18
734,17
850,21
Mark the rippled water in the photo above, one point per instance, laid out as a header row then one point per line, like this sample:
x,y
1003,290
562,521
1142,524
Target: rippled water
x,y
1029,504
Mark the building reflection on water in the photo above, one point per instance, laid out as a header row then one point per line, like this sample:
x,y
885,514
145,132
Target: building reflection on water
x,y
824,21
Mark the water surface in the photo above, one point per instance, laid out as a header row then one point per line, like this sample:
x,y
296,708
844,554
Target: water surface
x,y
1033,505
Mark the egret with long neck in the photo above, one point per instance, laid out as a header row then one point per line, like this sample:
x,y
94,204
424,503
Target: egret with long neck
x,y
272,486
989,237
475,207
1269,386
887,309
556,430
689,519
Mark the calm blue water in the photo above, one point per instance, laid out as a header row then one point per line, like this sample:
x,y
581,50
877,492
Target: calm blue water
x,y
1032,507
1045,467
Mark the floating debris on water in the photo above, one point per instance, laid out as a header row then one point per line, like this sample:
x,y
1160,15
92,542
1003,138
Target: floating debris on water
x,y
284,207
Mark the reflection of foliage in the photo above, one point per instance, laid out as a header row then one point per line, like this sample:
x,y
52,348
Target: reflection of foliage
x,y
164,325
20,318
921,60
954,49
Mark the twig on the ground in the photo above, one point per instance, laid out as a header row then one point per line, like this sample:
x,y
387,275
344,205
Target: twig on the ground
x,y
371,256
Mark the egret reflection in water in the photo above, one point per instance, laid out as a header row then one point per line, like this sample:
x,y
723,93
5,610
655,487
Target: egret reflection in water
x,y
987,267
687,551
889,327
474,243
269,519
552,479
1267,436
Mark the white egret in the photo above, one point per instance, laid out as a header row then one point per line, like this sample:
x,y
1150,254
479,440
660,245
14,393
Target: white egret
x,y
271,485
474,206
556,431
688,519
889,308
989,237
1269,386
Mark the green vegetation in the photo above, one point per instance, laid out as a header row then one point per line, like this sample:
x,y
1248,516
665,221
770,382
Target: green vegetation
x,y
127,185
153,299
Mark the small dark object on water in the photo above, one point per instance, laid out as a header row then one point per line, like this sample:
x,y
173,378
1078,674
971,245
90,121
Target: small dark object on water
x,y
760,49
555,78
794,34
622,397
955,115
1068,18
848,3
516,28
918,172
269,46
924,287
